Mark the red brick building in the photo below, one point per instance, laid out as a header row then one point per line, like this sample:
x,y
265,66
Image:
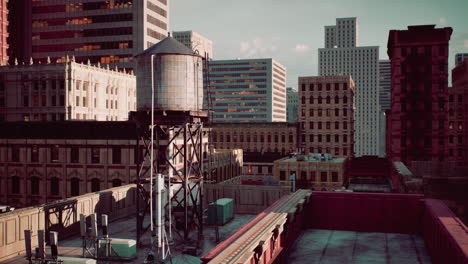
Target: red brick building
x,y
3,32
458,115
418,119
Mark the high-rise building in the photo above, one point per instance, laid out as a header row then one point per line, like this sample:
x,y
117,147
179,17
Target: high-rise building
x,y
196,42
65,91
417,122
19,31
249,90
384,84
342,56
3,31
458,115
100,31
326,105
460,57
291,104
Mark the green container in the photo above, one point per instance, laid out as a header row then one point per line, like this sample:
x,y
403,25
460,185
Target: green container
x,y
221,211
120,248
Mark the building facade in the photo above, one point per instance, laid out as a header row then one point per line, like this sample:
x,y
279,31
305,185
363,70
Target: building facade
x,y
105,31
196,42
343,56
326,122
41,162
249,90
3,31
321,172
65,91
291,105
458,115
384,84
460,57
255,137
417,123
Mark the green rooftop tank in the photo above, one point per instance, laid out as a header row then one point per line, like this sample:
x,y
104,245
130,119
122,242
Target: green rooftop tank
x,y
221,211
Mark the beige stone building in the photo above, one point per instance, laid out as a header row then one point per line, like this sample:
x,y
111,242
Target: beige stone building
x,y
41,162
65,91
266,137
321,172
326,110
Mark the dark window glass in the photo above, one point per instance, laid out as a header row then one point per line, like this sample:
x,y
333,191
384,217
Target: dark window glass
x,y
15,154
116,155
34,185
75,187
95,185
95,155
116,182
54,186
54,154
74,154
34,153
15,184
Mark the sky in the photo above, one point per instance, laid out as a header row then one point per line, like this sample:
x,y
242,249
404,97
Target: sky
x,y
291,31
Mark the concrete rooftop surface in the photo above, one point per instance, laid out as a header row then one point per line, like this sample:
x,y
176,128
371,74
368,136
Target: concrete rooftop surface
x,y
331,246
126,228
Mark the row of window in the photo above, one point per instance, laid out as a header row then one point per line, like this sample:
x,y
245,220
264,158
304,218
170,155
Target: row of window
x,y
254,137
312,176
319,86
328,138
327,100
327,112
54,186
74,157
42,100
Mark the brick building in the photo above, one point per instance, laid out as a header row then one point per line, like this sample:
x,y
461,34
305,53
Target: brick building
x,y
418,119
458,115
326,115
41,162
65,91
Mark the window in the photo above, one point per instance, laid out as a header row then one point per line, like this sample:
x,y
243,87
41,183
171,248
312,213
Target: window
x,y
77,101
312,176
74,154
95,185
26,101
319,125
311,100
62,100
34,153
282,175
116,155
311,87
328,100
54,186
337,87
54,154
337,125
323,176
303,100
75,187
334,176
116,182
328,125
303,175
15,184
311,112
15,154
95,155
291,138
303,87
345,138
319,138
328,138
311,138
328,87
319,99
34,185
337,138
337,99
311,125
345,86
345,99
319,87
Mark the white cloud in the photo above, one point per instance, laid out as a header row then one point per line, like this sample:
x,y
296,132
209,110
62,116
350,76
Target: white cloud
x,y
301,48
258,48
443,21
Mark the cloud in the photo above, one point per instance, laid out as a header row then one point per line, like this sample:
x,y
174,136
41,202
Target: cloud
x,y
443,21
258,48
301,48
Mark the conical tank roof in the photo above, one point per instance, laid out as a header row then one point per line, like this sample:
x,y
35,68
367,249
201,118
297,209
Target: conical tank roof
x,y
168,45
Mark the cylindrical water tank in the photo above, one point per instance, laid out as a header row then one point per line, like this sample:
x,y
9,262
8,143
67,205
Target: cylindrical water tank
x,y
177,76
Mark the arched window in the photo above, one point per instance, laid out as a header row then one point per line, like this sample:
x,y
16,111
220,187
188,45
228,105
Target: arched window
x,y
34,185
54,186
95,185
75,186
15,184
303,100
337,99
116,182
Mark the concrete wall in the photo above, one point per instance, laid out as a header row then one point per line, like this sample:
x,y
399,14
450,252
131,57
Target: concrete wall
x,y
248,199
118,202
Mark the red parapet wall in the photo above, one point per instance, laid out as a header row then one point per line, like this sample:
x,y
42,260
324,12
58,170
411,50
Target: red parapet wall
x,y
366,212
445,235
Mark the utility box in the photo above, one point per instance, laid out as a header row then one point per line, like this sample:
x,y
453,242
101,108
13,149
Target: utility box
x,y
221,211
120,248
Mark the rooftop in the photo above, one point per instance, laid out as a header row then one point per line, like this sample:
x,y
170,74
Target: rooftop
x,y
315,157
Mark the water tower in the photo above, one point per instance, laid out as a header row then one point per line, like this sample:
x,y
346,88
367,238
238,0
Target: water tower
x,y
171,140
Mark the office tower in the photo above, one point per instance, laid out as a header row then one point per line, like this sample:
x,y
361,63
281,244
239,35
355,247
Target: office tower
x,y
106,31
195,41
417,122
384,84
3,32
326,105
342,56
249,90
65,91
458,115
291,104
460,57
